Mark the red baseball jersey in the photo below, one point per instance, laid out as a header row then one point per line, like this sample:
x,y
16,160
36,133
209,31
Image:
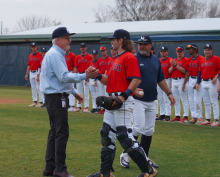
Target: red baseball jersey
x,y
70,59
165,65
81,62
92,63
124,69
193,65
209,67
34,61
103,64
109,65
182,63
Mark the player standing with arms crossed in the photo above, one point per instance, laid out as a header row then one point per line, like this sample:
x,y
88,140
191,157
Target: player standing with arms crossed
x,y
32,69
80,67
118,122
208,71
70,60
178,70
194,96
165,108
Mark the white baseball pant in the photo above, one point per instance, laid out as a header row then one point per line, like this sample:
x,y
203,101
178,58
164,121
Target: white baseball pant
x,y
101,88
164,102
35,87
80,87
195,99
94,92
156,105
210,95
178,93
143,118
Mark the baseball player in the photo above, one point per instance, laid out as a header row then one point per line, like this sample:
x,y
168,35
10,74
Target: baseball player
x,y
70,59
208,71
145,109
43,52
178,70
80,67
102,64
194,96
32,68
93,82
118,122
111,61
165,108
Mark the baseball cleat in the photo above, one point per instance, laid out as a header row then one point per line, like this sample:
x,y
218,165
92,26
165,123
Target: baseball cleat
x,y
98,174
43,106
154,173
199,121
39,105
192,121
215,123
86,110
184,120
153,164
101,112
156,116
71,108
206,122
124,160
78,109
175,120
162,117
33,104
167,118
93,110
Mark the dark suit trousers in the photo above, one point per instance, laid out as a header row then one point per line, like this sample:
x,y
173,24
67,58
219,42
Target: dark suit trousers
x,y
58,134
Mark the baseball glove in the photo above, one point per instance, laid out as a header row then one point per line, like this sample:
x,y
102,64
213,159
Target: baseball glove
x,y
106,102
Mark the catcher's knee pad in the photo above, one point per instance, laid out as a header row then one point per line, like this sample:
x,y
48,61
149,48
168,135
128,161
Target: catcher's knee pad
x,y
105,140
123,138
107,158
139,157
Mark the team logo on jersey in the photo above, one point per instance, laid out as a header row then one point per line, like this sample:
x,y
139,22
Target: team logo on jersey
x,y
141,64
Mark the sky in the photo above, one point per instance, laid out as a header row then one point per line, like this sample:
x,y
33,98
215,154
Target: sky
x,y
66,11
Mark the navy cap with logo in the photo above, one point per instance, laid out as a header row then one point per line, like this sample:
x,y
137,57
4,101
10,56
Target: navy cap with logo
x,y
33,44
144,40
83,45
103,48
180,48
208,46
43,49
94,52
120,33
163,48
61,31
191,46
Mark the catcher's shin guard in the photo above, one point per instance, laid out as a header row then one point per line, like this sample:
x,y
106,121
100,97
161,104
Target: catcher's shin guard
x,y
137,154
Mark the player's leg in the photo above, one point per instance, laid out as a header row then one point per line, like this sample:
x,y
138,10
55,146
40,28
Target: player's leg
x,y
191,97
106,94
183,96
72,102
86,96
157,107
175,85
198,104
32,78
39,94
167,102
79,87
101,93
94,96
161,103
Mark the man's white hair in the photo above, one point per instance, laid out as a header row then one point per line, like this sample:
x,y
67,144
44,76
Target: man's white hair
x,y
54,41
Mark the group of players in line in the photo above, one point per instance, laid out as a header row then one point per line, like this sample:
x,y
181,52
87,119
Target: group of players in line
x,y
190,80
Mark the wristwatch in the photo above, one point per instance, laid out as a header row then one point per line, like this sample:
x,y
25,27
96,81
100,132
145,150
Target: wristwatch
x,y
169,94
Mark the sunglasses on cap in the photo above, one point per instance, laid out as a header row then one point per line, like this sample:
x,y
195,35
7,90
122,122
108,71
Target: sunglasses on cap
x,y
189,46
179,49
102,48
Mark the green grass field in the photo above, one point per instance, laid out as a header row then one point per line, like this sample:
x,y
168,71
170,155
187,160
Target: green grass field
x,y
181,150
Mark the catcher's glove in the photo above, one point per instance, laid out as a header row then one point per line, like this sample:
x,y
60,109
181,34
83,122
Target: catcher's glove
x,y
106,102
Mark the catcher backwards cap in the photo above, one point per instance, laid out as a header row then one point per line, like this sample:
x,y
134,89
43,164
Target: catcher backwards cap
x,y
180,49
120,33
191,46
208,46
144,40
61,31
94,52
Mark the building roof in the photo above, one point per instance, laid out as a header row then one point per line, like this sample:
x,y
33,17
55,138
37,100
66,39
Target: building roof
x,y
99,31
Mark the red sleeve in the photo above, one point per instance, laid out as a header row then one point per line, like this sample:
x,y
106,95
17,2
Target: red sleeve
x,y
185,64
218,63
76,62
132,68
29,59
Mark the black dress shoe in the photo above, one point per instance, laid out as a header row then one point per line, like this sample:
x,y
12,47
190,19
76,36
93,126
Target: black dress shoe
x,y
161,117
48,172
61,174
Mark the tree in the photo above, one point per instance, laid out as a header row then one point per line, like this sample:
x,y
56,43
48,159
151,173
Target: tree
x,y
144,10
34,21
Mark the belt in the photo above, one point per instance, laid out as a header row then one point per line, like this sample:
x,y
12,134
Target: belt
x,y
34,71
167,78
176,78
193,77
207,79
81,72
58,94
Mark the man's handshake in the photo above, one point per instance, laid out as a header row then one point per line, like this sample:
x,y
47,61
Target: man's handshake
x,y
92,72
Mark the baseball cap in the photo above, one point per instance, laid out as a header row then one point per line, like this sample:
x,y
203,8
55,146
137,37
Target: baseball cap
x,y
144,40
103,48
94,52
152,48
191,46
180,48
208,46
120,33
163,48
43,49
33,44
83,45
61,31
